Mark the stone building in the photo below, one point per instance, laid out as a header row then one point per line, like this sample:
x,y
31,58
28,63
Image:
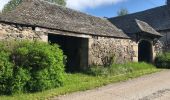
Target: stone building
x,y
85,40
158,18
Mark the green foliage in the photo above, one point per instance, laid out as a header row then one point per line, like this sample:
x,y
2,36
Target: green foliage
x,y
30,66
6,68
81,82
163,60
11,5
19,80
117,69
122,12
60,2
108,60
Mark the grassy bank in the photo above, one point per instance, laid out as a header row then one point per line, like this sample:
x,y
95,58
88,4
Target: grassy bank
x,y
81,82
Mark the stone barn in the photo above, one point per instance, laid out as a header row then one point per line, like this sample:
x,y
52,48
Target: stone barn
x,y
146,38
158,18
85,40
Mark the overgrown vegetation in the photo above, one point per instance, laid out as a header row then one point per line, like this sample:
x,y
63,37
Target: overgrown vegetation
x,y
108,59
163,60
80,82
117,69
27,66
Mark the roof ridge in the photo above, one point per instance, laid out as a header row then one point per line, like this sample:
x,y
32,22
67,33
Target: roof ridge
x,y
138,12
43,14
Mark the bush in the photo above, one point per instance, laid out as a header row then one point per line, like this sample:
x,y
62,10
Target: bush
x,y
163,60
117,69
6,69
30,66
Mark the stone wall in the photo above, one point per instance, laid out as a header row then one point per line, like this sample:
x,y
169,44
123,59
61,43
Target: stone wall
x,y
158,47
102,50
165,40
18,32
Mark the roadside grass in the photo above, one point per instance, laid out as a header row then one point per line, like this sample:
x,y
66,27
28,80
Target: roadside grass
x,y
81,82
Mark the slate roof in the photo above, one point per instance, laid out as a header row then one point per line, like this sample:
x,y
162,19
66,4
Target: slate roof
x,y
145,27
158,18
47,15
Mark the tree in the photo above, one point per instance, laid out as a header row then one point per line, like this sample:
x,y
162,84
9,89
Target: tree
x,y
60,2
122,12
14,3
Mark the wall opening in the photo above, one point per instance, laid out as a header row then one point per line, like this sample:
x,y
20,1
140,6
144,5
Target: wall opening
x,y
76,50
145,53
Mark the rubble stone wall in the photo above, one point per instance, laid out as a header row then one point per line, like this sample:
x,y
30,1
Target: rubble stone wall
x,y
165,40
17,32
103,49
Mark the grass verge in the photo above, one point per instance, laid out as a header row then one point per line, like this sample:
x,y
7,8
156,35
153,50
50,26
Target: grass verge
x,y
81,82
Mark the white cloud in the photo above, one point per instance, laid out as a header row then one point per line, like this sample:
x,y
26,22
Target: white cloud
x,y
78,4
83,4
2,3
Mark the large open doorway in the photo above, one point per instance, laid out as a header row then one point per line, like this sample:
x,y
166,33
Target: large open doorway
x,y
145,53
76,50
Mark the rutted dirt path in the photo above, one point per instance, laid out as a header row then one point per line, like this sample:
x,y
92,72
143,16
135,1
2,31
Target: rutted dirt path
x,y
151,87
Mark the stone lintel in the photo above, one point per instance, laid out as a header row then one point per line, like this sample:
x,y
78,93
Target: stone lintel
x,y
59,32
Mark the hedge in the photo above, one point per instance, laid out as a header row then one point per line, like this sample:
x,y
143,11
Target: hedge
x,y
30,66
163,60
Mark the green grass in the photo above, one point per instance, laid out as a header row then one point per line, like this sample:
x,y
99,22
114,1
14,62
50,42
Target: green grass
x,y
116,69
82,82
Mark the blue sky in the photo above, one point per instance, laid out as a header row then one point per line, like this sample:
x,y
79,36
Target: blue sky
x,y
107,8
132,6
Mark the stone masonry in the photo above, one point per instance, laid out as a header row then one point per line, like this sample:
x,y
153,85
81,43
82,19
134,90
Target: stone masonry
x,y
104,50
18,32
101,50
165,40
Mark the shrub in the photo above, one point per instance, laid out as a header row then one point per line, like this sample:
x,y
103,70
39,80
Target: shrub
x,y
97,71
6,71
34,66
108,59
117,69
163,60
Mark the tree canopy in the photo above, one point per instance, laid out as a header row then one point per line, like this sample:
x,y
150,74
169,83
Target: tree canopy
x,y
60,2
14,3
122,11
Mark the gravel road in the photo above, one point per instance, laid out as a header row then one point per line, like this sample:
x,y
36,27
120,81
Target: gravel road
x,y
150,87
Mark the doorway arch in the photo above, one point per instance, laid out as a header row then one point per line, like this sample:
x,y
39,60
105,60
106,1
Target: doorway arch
x,y
145,53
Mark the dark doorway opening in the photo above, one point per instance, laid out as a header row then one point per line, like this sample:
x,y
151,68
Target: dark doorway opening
x,y
145,51
76,50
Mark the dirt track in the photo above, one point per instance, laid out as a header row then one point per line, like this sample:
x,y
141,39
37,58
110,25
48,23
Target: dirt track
x,y
151,87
